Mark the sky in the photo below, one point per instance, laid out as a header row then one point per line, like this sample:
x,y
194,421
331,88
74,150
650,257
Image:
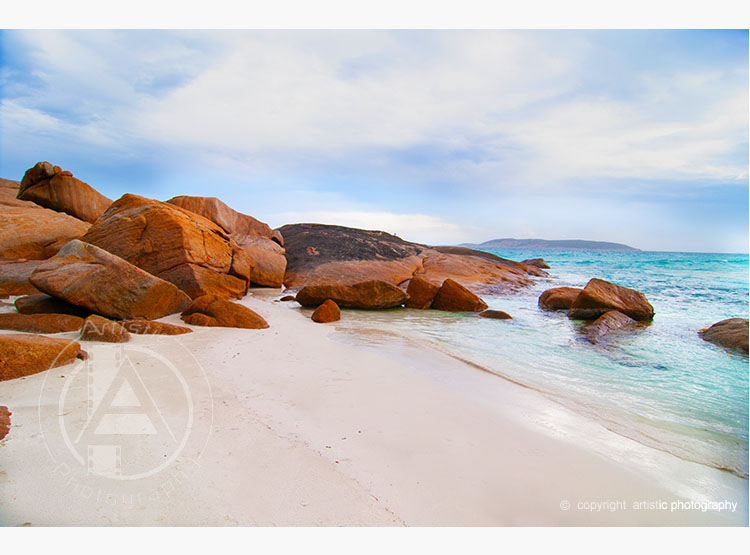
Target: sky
x,y
441,137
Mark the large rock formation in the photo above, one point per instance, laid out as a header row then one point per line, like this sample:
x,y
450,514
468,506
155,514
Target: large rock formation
x,y
25,354
454,297
612,320
601,296
260,242
30,232
96,328
421,293
329,311
87,276
730,334
14,277
211,310
373,294
326,254
40,323
559,298
53,188
174,244
44,304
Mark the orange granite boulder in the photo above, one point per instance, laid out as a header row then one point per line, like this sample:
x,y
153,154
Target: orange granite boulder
x,y
421,293
215,311
454,297
495,315
558,298
149,327
601,296
5,415
174,244
369,295
49,186
44,304
26,354
329,311
730,334
40,323
97,328
87,276
612,320
14,277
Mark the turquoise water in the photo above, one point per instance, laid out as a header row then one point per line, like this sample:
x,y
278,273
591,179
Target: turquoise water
x,y
662,386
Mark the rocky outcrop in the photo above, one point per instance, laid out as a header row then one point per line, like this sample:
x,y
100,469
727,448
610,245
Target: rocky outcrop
x,y
421,293
174,244
149,327
26,354
558,298
610,321
40,323
495,315
44,304
601,296
89,277
454,297
51,187
730,334
263,245
14,278
96,328
30,232
326,254
215,311
370,295
538,262
327,312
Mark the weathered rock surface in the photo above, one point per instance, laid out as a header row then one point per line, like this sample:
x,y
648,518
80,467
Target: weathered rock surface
x,y
495,315
97,328
329,311
559,298
287,298
25,354
326,254
14,277
730,334
30,232
612,320
454,297
601,296
51,187
260,242
373,294
174,244
421,293
89,277
5,415
212,310
149,327
44,304
40,323
538,262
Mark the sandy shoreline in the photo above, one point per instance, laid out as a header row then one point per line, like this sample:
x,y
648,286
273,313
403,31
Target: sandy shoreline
x,y
299,424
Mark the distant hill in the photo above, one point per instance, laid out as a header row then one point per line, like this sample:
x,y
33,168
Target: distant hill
x,y
543,244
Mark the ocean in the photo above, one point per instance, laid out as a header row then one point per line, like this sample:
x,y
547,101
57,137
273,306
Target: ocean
x,y
662,385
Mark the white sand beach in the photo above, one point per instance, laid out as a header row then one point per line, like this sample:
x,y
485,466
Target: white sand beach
x,y
298,424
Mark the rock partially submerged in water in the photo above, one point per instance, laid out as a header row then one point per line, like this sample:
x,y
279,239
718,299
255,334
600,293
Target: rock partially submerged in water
x,y
40,323
538,262
730,334
26,354
370,295
53,188
97,328
327,312
90,277
601,296
454,297
495,315
610,321
421,293
558,298
215,311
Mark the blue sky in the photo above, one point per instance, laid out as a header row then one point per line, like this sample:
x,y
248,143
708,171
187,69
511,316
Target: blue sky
x,y
639,137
